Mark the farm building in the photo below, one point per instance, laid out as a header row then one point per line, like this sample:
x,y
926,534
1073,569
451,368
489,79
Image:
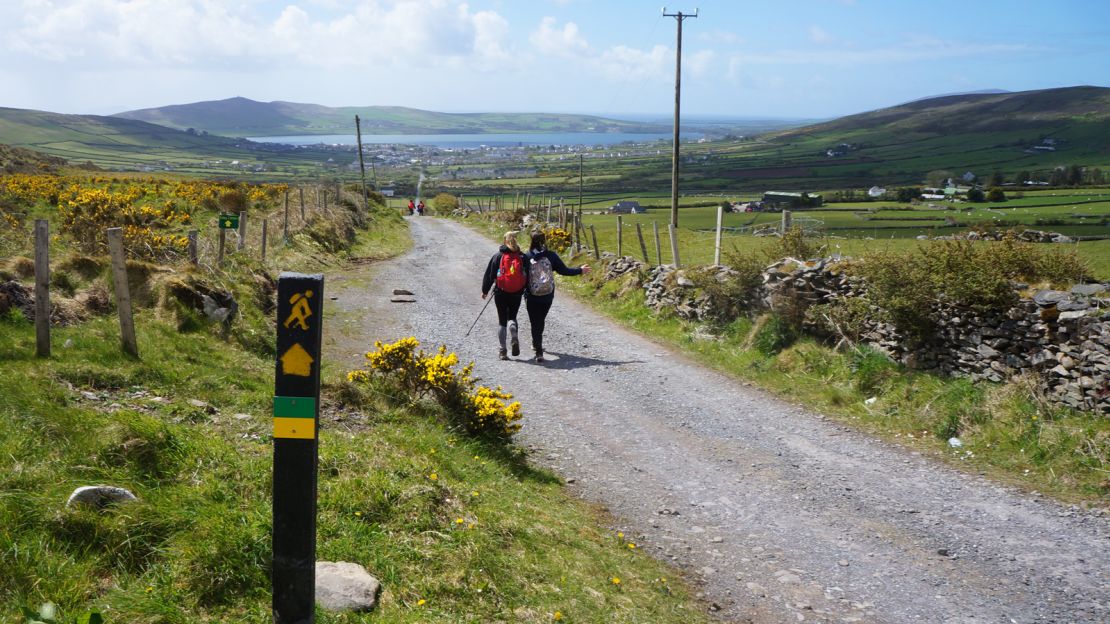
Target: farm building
x,y
876,191
786,200
627,207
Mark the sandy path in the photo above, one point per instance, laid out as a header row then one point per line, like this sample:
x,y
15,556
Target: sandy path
x,y
784,516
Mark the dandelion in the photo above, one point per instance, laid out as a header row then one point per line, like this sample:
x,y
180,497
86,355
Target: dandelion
x,y
631,546
149,589
358,514
433,476
470,526
557,616
458,520
474,493
616,580
620,534
420,603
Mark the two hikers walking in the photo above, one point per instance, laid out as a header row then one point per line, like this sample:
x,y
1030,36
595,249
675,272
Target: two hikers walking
x,y
513,275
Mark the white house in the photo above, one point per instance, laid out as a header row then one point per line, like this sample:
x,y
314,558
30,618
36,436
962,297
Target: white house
x,y
876,191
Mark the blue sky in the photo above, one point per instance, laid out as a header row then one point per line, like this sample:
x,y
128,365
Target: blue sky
x,y
747,58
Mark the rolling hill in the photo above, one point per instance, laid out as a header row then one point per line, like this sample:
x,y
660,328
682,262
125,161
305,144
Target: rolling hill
x,y
240,116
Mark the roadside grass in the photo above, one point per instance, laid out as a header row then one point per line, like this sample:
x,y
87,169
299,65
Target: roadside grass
x,y
456,528
1007,431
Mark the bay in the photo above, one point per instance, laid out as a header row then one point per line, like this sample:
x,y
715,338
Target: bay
x,y
470,141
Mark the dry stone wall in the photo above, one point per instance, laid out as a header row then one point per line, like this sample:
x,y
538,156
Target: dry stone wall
x,y
1063,337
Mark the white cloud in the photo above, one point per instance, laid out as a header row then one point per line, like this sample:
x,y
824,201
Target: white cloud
x,y
196,33
632,64
551,40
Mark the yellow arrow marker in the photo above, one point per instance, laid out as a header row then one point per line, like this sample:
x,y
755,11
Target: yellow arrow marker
x,y
296,361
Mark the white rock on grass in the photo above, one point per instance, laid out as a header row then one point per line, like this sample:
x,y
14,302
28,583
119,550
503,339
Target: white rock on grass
x,y
99,496
343,586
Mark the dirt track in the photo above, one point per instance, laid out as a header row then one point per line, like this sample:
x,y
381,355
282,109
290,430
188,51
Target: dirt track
x,y
784,516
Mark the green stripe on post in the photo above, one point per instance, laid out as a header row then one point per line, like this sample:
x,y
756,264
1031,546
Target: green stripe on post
x,y
294,407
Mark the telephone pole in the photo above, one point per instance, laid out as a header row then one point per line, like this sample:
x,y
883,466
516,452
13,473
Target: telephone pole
x,y
679,18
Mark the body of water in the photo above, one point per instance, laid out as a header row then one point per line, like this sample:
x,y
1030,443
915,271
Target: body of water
x,y
458,141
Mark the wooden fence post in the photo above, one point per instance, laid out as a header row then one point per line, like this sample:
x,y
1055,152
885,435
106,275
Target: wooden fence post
x,y
717,245
658,247
42,288
220,248
265,222
674,244
285,222
123,291
597,250
301,189
242,232
620,238
194,255
643,246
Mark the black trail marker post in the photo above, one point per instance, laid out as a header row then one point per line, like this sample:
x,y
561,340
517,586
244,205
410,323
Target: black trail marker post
x,y
296,417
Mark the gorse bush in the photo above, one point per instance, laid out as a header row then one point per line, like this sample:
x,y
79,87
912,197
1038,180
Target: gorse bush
x,y
558,239
477,409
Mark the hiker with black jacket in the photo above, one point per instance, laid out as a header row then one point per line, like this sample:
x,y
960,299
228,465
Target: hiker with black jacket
x,y
506,273
542,265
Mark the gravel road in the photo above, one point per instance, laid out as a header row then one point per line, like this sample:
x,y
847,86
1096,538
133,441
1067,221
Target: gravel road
x,y
779,514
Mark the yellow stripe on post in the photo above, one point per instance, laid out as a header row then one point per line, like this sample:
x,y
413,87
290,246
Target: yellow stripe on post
x,y
299,428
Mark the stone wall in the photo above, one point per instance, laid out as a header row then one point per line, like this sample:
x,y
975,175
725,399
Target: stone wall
x,y
1062,337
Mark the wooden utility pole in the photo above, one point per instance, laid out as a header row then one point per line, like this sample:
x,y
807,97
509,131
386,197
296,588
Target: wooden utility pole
x,y
362,167
679,18
42,288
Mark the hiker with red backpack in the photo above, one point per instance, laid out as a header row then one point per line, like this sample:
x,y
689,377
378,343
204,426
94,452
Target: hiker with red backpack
x,y
543,264
507,275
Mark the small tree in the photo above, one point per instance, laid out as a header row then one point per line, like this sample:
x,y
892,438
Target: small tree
x,y
995,195
976,195
444,203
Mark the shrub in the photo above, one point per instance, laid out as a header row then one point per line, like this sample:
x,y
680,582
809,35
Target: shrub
x,y
908,288
558,239
444,203
774,335
477,409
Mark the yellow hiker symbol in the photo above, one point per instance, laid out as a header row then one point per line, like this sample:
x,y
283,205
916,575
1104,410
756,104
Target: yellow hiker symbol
x,y
301,310
227,223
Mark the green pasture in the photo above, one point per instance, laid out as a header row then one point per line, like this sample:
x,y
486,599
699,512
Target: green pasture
x,y
844,232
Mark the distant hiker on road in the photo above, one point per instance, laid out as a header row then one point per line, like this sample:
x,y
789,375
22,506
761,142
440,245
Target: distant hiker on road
x,y
507,274
420,208
542,266
412,206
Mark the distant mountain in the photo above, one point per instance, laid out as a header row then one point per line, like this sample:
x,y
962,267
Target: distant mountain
x,y
976,92
240,116
109,141
1048,109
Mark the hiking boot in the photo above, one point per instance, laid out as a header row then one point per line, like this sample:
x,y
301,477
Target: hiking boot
x,y
502,354
514,342
539,356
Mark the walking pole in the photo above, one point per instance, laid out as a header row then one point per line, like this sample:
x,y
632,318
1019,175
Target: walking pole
x,y
490,298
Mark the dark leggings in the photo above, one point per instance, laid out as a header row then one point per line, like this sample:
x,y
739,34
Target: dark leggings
x,y
508,304
538,308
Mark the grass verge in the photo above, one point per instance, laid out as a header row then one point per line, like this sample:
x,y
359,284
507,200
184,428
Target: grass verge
x,y
456,529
